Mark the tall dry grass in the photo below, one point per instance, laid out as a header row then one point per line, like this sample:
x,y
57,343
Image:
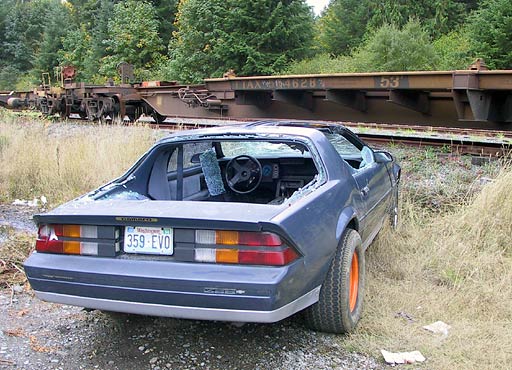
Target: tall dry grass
x,y
456,268
62,161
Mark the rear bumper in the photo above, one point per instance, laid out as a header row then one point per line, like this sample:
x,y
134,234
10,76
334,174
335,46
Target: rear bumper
x,y
172,289
182,312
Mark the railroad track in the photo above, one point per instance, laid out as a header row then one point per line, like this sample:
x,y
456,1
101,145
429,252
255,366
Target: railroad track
x,y
488,143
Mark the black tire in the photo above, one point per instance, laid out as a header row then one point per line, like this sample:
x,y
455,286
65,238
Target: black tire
x,y
394,210
335,312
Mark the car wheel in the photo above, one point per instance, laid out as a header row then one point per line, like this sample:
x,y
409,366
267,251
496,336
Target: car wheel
x,y
339,306
393,212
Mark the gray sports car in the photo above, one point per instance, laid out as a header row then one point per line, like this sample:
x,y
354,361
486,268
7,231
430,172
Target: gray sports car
x,y
249,223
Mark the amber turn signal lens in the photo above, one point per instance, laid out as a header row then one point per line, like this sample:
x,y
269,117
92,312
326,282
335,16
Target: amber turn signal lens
x,y
226,237
226,255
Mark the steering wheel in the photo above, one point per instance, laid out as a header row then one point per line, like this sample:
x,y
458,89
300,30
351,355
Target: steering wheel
x,y
243,174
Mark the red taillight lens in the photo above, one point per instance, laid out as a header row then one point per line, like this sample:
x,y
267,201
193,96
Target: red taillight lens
x,y
47,239
269,248
56,239
53,246
254,238
267,257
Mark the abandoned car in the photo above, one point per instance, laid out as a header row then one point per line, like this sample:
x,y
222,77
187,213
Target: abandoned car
x,y
245,223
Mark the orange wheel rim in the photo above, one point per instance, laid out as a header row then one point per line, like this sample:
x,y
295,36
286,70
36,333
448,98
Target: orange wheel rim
x,y
353,282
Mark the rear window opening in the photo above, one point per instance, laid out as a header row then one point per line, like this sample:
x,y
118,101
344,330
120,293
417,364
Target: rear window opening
x,y
232,170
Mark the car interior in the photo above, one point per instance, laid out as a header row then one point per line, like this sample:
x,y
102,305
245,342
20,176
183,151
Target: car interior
x,y
263,172
238,170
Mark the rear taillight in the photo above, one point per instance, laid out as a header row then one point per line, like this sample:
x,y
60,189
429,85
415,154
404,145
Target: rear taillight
x,y
67,239
242,247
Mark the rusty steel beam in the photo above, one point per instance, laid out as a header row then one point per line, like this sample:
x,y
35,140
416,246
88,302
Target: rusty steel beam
x,y
352,99
466,98
415,100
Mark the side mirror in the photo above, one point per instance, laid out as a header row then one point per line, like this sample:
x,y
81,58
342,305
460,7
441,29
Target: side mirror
x,y
382,156
367,155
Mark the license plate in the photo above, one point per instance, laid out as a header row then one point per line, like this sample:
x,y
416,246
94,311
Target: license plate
x,y
148,240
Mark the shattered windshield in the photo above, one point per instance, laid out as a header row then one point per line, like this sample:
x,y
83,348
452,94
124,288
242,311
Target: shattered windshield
x,y
344,147
264,148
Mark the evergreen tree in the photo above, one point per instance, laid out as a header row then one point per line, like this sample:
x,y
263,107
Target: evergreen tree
x,y
54,30
166,16
490,30
132,38
4,13
345,22
343,25
251,37
91,17
438,16
23,26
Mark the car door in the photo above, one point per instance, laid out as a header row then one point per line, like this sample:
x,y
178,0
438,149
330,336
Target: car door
x,y
374,188
371,177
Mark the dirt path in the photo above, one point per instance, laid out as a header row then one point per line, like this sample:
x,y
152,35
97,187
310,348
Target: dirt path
x,y
39,335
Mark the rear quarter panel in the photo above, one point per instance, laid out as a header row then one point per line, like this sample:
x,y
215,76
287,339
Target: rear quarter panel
x,y
315,222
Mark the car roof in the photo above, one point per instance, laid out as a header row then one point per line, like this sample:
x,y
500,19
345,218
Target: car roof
x,y
264,128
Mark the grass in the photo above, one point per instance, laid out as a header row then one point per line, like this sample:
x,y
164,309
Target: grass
x,y
450,259
14,249
62,161
452,264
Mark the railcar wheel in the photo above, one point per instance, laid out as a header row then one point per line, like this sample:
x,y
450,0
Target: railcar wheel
x,y
340,304
158,118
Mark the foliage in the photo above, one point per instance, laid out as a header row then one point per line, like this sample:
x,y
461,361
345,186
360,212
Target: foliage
x,y
453,51
189,40
253,37
388,49
4,12
166,16
98,33
394,49
343,25
320,63
490,30
23,33
438,16
54,30
8,77
77,51
133,37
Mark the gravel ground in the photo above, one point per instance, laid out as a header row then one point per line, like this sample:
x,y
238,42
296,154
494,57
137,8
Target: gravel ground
x,y
40,335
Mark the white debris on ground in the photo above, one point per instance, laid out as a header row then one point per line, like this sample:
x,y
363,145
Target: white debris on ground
x,y
30,203
438,327
396,358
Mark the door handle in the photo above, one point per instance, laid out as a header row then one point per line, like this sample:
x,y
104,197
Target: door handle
x,y
365,191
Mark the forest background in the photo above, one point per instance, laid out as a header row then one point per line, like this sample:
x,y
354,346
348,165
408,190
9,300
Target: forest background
x,y
188,40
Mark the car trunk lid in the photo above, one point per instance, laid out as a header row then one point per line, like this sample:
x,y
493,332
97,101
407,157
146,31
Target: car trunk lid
x,y
171,213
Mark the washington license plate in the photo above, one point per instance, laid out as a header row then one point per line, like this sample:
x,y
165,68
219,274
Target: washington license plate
x,y
148,240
